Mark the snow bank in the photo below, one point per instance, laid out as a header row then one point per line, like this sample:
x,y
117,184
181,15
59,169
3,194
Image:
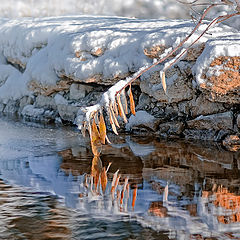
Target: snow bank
x,y
83,48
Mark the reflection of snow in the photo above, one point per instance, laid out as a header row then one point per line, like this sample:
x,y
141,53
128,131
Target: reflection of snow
x,y
139,149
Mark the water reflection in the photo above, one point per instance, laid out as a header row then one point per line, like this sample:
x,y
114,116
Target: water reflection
x,y
139,187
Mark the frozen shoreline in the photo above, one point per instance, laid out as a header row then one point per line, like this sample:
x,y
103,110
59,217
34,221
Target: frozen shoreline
x,y
51,67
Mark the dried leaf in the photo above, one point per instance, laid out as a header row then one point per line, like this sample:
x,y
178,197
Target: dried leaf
x,y
134,197
164,82
120,108
102,129
124,101
104,179
132,103
95,139
113,115
112,121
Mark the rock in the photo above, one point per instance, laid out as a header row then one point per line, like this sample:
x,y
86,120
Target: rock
x,y
232,143
202,106
26,100
238,121
11,107
206,135
78,91
144,101
67,112
171,128
178,88
222,80
45,102
212,122
32,113
2,106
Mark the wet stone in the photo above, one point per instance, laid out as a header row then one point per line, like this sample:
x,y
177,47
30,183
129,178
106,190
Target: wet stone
x,y
171,128
11,107
215,121
2,106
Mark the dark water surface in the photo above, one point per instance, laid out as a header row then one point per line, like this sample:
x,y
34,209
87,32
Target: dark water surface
x,y
51,187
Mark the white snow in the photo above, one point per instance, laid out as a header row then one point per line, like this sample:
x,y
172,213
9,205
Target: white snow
x,y
46,48
222,46
141,117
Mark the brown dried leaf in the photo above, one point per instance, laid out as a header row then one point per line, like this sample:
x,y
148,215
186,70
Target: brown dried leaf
x,y
112,121
113,115
95,139
120,108
132,103
164,82
102,129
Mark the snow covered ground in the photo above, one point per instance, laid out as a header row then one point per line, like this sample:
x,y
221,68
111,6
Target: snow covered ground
x,y
83,47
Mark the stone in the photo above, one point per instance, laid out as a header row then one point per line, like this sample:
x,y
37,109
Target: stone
x,y
212,122
171,128
178,87
143,102
11,107
222,80
2,106
232,143
205,134
32,113
26,100
45,102
67,112
202,106
238,121
78,91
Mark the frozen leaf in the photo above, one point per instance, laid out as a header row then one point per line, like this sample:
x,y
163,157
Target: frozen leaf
x,y
102,129
95,139
120,109
112,121
164,82
132,103
113,115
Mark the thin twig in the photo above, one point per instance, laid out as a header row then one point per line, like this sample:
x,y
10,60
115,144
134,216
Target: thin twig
x,y
172,52
207,28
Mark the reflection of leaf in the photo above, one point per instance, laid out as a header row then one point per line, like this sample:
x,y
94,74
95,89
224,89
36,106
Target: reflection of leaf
x,y
96,169
120,109
134,197
102,129
132,103
114,180
104,179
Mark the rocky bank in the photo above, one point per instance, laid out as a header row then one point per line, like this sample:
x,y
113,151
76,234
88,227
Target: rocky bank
x,y
203,89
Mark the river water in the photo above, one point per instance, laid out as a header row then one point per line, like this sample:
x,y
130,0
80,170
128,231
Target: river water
x,y
51,187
